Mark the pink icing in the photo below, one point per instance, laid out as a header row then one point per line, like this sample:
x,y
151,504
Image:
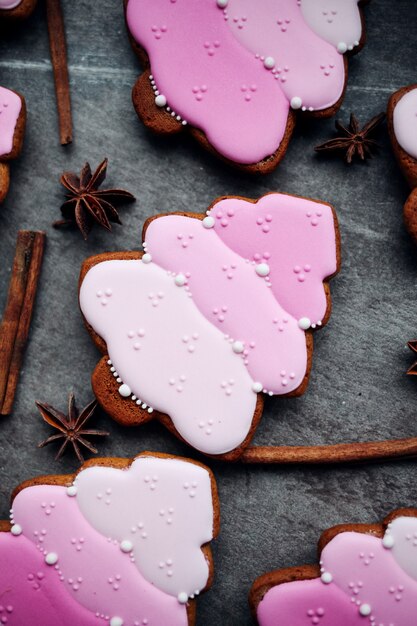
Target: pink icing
x,y
405,122
204,88
306,66
88,561
235,74
403,533
223,286
10,108
337,21
365,580
307,603
354,558
30,591
122,545
295,236
168,354
173,507
9,4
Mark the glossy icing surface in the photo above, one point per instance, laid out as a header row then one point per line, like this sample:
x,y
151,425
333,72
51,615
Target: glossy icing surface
x,y
307,603
402,532
10,108
295,236
9,4
242,65
337,21
306,66
223,289
87,566
405,122
207,90
363,580
184,311
168,354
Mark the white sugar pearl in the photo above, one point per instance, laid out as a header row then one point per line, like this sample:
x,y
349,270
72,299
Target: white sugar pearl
x,y
388,542
182,597
238,347
269,63
304,323
160,100
16,530
208,222
72,491
126,546
326,578
146,258
342,47
365,610
296,102
257,387
125,390
262,269
180,280
116,621
51,558
222,3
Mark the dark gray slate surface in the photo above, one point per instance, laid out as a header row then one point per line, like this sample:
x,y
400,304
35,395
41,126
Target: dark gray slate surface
x,y
270,517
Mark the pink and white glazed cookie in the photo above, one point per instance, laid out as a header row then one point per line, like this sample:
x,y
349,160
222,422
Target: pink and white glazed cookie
x,y
216,312
122,543
237,80
402,126
12,128
16,9
367,577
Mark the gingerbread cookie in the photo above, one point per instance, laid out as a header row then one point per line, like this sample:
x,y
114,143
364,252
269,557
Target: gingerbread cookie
x,y
402,125
215,313
367,576
122,543
237,80
16,9
12,129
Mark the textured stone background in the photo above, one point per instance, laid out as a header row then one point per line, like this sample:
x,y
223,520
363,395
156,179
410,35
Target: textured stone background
x,y
271,517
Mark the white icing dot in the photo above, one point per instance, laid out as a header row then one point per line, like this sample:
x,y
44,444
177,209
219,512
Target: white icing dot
x,y
342,47
183,597
304,323
326,578
257,387
126,546
238,347
388,542
296,102
222,3
365,610
116,621
146,258
51,558
125,390
16,530
180,280
72,491
208,222
269,63
262,269
160,100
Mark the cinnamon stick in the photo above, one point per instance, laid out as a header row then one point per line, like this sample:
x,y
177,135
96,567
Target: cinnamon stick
x,y
58,47
14,328
371,451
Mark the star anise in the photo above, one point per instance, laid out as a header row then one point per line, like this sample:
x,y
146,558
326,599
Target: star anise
x,y
412,371
87,203
70,427
353,140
